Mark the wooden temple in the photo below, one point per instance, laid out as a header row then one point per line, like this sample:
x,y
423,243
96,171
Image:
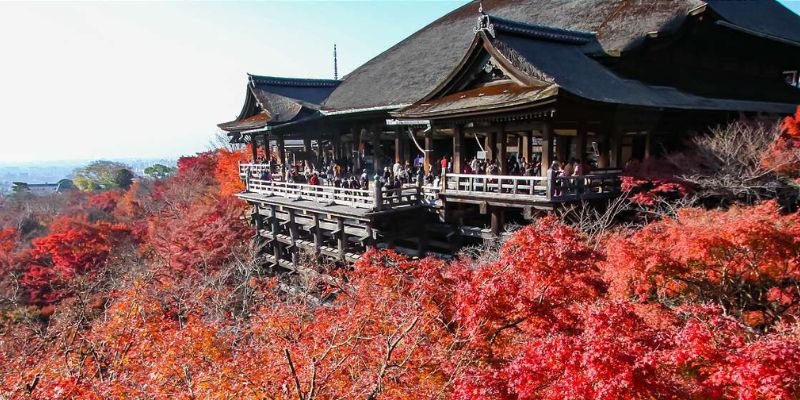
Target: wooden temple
x,y
598,83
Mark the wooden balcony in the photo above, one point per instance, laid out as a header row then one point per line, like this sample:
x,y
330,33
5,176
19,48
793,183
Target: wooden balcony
x,y
536,189
470,188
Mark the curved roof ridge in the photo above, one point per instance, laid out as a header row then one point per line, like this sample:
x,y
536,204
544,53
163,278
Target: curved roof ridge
x,y
540,31
284,81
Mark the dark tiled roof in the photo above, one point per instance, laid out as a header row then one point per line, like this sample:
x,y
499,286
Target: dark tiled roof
x,y
407,71
413,67
569,69
765,17
577,73
309,92
274,100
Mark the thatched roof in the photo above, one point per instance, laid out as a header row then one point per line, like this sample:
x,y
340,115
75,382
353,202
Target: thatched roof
x,y
407,71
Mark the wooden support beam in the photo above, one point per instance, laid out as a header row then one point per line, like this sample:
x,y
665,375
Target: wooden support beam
x,y
254,147
458,151
293,235
282,151
341,237
502,153
604,160
307,150
581,145
276,246
406,141
490,146
377,159
320,153
617,136
429,150
547,146
357,143
370,236
527,142
648,145
496,220
317,234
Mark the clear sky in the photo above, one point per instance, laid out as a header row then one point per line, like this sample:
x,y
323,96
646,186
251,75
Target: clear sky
x,y
142,79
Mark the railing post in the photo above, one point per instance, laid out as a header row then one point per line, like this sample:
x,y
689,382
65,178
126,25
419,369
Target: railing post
x,y
551,184
377,191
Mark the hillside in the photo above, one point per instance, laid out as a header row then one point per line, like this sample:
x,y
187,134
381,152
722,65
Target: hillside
x,y
154,292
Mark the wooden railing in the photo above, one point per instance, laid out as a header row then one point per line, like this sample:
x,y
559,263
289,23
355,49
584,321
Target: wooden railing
x,y
357,198
602,183
538,188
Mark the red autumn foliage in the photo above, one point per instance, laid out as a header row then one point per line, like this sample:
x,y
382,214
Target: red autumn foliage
x,y
105,201
74,246
652,181
202,164
703,306
784,154
744,258
200,235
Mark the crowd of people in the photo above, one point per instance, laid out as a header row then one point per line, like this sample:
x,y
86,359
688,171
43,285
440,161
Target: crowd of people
x,y
342,173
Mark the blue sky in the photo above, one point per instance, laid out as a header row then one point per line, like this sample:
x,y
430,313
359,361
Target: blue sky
x,y
142,79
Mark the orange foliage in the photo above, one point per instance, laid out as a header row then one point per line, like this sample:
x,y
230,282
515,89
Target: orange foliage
x,y
227,171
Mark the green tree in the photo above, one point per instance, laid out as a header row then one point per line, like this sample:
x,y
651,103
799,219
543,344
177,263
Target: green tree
x,y
159,171
102,175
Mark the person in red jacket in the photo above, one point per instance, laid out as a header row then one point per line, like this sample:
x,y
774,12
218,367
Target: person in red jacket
x,y
314,180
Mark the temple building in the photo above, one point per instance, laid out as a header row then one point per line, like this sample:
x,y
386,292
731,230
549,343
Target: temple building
x,y
519,88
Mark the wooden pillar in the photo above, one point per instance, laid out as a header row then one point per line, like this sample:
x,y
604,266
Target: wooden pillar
x,y
428,151
502,153
317,235
581,145
370,244
307,151
320,153
357,154
398,144
604,147
254,147
616,147
377,160
648,145
496,220
276,245
547,146
341,237
293,236
282,151
562,148
406,141
458,151
491,146
527,142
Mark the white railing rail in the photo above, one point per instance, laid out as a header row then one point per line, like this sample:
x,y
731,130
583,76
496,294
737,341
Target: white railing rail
x,y
600,183
357,198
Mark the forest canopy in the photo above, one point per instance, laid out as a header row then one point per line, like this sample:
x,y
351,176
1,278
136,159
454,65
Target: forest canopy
x,y
153,291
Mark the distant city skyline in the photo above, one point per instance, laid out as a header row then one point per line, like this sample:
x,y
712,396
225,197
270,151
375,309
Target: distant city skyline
x,y
84,81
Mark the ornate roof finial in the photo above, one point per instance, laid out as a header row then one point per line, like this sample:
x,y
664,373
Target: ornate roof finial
x,y
483,22
335,64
